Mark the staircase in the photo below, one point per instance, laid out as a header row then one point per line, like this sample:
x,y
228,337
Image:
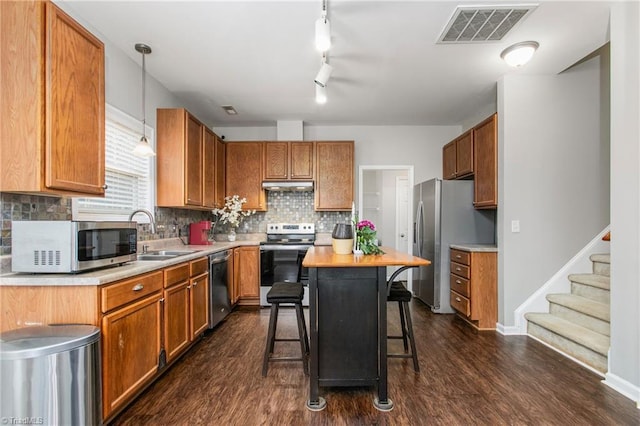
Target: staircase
x,y
578,323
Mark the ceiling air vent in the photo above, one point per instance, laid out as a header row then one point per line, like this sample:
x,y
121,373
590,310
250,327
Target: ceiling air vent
x,y
478,24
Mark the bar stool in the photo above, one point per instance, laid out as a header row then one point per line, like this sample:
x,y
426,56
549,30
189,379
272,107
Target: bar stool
x,y
398,293
286,292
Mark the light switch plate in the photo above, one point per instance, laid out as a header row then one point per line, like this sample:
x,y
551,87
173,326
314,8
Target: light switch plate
x,y
515,226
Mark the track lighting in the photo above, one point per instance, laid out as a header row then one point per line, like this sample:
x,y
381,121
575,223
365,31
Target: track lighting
x,y
321,94
323,75
323,30
520,53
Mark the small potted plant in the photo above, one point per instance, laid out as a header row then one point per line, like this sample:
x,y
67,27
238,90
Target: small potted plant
x,y
232,214
366,240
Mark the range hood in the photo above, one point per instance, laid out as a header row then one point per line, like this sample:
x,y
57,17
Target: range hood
x,y
288,186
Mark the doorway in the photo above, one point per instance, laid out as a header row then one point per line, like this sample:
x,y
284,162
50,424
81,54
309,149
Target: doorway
x,y
385,197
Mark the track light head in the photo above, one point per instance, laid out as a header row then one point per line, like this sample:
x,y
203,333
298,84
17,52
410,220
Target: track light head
x,y
323,75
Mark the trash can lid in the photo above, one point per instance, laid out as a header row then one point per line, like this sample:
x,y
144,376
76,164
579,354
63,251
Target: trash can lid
x,y
37,341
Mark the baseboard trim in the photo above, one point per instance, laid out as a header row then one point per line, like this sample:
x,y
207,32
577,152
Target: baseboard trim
x,y
623,387
509,330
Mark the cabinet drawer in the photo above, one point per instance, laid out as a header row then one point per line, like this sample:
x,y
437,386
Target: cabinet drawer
x,y
459,269
462,257
460,303
199,266
176,274
127,291
459,285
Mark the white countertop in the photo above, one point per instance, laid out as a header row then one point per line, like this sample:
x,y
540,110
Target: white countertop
x,y
475,247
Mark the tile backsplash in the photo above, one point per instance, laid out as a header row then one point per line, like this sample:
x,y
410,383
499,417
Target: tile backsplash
x,y
171,223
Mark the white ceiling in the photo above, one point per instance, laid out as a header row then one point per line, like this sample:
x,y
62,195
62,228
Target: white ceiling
x,y
259,56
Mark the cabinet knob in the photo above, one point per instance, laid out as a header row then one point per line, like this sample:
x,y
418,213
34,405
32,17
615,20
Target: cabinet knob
x,y
105,186
195,283
138,287
458,299
162,300
458,269
458,282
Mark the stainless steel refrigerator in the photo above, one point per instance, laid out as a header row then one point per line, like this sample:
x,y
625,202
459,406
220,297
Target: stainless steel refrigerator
x,y
444,215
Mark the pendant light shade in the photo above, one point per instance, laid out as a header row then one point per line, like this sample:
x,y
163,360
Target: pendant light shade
x,y
520,53
323,34
143,147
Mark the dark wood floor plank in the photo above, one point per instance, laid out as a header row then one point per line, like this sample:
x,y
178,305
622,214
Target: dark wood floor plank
x,y
466,378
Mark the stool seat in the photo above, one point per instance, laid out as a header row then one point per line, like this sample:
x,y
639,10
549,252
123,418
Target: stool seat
x,y
285,292
398,293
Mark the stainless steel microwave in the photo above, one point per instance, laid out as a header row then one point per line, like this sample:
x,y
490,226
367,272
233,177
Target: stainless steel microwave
x,y
54,246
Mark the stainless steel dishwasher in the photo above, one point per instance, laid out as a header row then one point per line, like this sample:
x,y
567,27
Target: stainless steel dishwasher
x,y
219,303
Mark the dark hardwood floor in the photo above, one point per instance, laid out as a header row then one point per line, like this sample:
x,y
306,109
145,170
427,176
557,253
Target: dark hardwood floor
x,y
465,378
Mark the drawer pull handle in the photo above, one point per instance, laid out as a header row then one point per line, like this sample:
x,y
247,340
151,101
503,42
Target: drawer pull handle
x,y
458,299
458,256
458,269
138,287
458,282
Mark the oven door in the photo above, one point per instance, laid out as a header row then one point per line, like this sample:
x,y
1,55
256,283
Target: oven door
x,y
282,263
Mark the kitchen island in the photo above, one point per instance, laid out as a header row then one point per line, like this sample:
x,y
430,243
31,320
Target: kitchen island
x,y
348,320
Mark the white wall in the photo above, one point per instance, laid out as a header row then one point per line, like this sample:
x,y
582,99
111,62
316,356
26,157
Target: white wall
x,y
553,176
624,357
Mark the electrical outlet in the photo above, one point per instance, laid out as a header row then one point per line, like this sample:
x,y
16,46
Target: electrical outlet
x,y
515,226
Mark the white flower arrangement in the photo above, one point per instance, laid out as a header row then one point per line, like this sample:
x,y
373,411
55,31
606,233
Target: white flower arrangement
x,y
232,212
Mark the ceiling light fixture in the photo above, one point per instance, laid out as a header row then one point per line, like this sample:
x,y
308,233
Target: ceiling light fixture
x,y
321,94
323,30
325,72
229,109
143,148
520,53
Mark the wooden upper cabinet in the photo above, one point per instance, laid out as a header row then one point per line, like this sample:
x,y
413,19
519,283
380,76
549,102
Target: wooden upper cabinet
x,y
457,157
220,168
209,169
186,161
52,103
288,160
244,173
449,160
334,175
276,161
485,159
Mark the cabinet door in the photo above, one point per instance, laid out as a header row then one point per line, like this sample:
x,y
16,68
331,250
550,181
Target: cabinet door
x,y
276,160
486,164
176,319
244,173
130,351
464,155
209,169
75,112
220,168
231,286
247,279
199,304
334,176
449,160
193,158
302,160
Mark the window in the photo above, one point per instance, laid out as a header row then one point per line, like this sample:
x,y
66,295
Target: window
x,y
129,178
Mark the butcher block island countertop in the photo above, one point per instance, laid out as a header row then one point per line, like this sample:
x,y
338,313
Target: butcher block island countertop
x,y
348,320
324,257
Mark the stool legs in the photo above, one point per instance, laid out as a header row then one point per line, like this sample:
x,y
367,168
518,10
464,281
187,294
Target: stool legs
x,y
303,338
407,334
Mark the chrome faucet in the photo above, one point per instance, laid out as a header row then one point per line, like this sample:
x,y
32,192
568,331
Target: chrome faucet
x,y
152,222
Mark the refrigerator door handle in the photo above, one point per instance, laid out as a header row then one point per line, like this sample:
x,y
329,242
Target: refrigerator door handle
x,y
419,227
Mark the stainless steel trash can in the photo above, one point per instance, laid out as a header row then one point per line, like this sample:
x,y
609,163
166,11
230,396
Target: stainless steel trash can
x,y
51,375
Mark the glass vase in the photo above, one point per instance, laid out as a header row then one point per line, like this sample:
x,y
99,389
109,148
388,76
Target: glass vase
x,y
232,235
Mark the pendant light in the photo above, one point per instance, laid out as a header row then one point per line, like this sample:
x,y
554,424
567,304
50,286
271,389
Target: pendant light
x,y
143,148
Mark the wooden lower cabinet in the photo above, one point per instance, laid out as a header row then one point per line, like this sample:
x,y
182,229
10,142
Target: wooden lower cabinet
x,y
474,287
131,344
199,305
246,272
176,320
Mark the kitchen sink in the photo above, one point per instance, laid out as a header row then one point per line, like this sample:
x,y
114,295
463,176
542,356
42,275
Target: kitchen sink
x,y
164,254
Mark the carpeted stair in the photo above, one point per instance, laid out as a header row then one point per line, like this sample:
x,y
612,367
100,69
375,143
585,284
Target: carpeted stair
x,y
577,324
